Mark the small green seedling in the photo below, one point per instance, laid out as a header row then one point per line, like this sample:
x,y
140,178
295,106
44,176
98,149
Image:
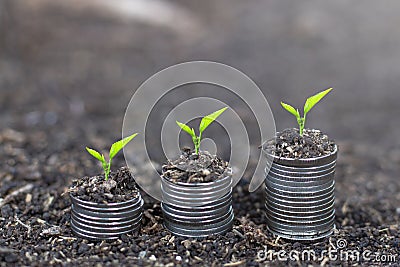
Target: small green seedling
x,y
115,148
310,103
205,122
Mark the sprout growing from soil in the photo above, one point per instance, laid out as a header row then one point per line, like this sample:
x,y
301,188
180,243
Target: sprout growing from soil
x,y
205,122
310,103
115,148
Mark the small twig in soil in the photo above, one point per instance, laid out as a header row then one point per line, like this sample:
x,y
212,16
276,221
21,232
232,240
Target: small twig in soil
x,y
62,254
67,237
68,209
48,202
57,260
23,224
345,207
41,221
54,230
69,190
9,197
273,244
226,253
238,233
191,177
331,243
154,226
235,263
27,210
325,261
198,258
150,216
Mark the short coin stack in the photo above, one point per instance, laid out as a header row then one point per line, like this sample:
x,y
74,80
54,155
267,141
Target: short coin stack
x,y
96,221
197,209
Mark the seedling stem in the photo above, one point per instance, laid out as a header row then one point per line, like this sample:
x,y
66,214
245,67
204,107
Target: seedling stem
x,y
115,148
310,103
205,122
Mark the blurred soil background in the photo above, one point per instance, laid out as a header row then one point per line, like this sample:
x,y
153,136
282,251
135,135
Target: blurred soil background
x,y
69,68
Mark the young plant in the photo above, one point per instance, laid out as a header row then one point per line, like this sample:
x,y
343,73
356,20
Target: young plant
x,y
115,148
205,122
310,103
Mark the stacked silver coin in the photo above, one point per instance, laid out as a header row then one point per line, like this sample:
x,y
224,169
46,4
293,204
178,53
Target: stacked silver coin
x,y
96,221
300,197
197,210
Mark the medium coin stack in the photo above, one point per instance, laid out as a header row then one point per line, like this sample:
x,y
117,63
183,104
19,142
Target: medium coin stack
x,y
96,221
300,197
197,210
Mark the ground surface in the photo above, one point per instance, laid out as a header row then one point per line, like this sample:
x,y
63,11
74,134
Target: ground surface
x,y
66,75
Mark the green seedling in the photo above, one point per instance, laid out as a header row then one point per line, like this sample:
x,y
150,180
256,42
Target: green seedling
x,y
115,148
310,103
205,122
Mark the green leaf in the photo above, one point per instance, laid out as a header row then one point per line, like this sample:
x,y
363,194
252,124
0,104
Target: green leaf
x,y
291,109
311,101
117,146
96,155
207,120
187,129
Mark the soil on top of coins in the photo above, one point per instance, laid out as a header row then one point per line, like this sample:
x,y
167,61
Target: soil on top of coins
x,y
290,144
120,186
190,167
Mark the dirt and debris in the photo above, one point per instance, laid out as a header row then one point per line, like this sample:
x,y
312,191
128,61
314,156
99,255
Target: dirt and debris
x,y
33,234
290,144
190,167
120,186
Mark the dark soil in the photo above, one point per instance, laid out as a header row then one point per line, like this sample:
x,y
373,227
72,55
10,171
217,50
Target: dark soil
x,y
119,187
35,218
192,168
290,144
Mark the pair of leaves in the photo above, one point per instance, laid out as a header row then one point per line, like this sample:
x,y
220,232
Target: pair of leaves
x,y
115,148
310,103
205,122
